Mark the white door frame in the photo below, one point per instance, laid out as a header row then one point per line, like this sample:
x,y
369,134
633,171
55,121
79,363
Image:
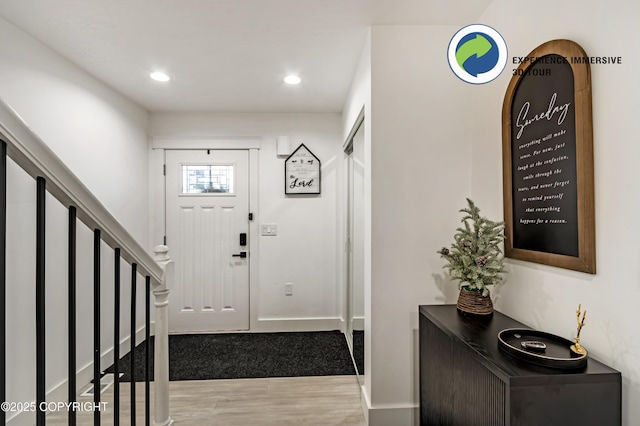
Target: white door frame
x,y
157,198
347,146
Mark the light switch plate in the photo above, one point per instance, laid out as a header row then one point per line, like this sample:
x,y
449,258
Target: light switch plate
x,y
269,229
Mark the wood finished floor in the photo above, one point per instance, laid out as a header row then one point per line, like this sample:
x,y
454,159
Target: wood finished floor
x,y
302,401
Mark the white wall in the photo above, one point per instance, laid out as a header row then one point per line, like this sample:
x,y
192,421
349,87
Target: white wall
x,y
359,96
358,100
420,173
421,170
544,297
101,136
305,250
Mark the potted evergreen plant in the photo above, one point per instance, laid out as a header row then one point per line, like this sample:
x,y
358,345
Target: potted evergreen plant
x,y
475,260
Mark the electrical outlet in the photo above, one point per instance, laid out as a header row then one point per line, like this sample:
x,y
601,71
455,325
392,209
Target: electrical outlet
x,y
288,289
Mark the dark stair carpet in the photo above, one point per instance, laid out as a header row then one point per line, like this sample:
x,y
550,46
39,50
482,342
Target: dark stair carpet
x,y
248,355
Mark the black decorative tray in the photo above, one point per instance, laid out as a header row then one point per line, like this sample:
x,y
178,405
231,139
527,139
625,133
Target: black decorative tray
x,y
556,354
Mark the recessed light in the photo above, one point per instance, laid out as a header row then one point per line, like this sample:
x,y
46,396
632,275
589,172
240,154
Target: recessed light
x,y
159,76
292,79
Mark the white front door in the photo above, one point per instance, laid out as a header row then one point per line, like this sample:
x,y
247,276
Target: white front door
x,y
207,208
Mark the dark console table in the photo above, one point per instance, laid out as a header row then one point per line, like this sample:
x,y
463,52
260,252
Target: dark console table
x,y
465,379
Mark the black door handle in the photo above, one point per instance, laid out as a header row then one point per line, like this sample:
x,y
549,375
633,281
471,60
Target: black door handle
x,y
242,254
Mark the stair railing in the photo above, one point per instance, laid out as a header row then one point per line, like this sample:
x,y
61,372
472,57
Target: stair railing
x,y
24,147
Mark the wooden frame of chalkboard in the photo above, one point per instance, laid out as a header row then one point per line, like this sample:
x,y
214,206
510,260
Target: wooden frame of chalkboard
x,y
547,157
302,172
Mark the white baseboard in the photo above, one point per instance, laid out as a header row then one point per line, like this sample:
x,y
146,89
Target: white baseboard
x,y
297,324
396,415
83,377
364,400
358,323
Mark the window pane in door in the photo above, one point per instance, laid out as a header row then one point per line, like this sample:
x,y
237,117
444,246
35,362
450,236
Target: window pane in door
x,y
207,179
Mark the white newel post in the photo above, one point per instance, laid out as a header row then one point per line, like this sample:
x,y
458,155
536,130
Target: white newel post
x,y
161,350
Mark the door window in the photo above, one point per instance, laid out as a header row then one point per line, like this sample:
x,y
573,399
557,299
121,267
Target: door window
x,y
208,179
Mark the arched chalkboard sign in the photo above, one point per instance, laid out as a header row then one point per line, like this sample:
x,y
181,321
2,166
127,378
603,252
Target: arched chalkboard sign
x,y
547,145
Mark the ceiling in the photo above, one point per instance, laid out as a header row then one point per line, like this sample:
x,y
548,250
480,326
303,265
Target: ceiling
x,y
225,55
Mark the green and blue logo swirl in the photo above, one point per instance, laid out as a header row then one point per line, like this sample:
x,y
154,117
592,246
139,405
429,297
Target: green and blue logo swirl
x,y
477,54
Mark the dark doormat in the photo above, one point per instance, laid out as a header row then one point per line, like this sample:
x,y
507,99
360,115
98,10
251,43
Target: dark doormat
x,y
248,355
358,350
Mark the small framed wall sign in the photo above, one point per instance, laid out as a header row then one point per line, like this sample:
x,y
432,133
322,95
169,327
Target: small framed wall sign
x,y
547,142
302,172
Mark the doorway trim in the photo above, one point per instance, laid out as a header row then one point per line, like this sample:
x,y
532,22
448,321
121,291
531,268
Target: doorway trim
x,y
157,219
347,147
356,125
